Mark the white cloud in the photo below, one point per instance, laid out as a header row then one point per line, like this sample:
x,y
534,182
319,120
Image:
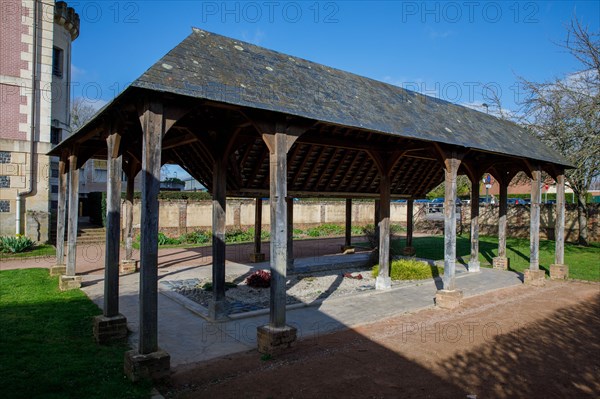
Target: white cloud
x,y
255,37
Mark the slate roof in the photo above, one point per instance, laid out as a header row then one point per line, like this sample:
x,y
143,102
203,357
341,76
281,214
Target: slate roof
x,y
214,67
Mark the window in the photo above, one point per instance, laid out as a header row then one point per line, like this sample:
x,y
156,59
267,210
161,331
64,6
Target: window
x,y
4,181
4,157
54,189
57,62
53,205
100,175
55,135
54,171
4,206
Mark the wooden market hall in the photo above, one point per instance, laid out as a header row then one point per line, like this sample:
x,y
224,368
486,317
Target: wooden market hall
x,y
246,121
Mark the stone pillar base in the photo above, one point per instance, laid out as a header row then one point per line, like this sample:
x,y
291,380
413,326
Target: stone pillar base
x,y
217,310
559,272
128,266
275,340
152,366
347,249
58,270
501,262
474,266
66,283
257,257
446,299
534,277
383,283
409,251
110,329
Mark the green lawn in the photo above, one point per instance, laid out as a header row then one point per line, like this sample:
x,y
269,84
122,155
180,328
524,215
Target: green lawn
x,y
584,262
46,345
39,251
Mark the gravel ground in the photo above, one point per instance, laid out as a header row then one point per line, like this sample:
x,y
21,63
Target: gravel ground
x,y
301,288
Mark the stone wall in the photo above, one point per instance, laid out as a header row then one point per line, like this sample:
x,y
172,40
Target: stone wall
x,y
177,217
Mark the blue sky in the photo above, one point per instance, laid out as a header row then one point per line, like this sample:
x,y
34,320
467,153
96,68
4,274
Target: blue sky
x,y
453,50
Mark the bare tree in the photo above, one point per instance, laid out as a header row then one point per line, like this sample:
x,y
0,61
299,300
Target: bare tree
x,y
81,112
565,114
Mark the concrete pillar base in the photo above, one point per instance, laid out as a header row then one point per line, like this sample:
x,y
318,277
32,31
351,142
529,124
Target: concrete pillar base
x,y
152,366
257,257
66,283
534,277
347,249
383,283
409,251
110,329
217,310
58,270
445,299
128,266
501,262
275,340
559,272
474,266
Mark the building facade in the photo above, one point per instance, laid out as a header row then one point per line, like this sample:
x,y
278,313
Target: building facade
x,y
35,75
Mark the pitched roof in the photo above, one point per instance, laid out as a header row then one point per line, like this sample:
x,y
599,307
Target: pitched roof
x,y
214,67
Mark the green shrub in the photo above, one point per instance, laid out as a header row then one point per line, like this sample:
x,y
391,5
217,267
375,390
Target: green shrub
x,y
410,269
15,244
195,237
238,235
324,230
165,240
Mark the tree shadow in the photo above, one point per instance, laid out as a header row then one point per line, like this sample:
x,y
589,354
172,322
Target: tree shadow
x,y
556,357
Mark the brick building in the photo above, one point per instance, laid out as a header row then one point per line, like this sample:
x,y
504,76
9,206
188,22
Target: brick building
x,y
35,75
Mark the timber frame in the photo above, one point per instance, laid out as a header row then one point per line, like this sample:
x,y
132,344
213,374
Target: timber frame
x,y
378,142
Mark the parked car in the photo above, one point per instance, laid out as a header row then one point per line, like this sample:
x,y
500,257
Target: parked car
x,y
487,201
437,204
551,202
421,201
516,201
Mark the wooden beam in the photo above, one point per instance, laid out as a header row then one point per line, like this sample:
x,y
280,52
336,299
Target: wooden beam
x,y
257,224
409,222
383,278
61,210
534,228
451,163
217,308
474,264
348,236
559,229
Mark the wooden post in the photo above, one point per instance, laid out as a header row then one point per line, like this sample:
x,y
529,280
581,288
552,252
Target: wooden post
x,y
534,233
290,234
347,247
129,217
152,122
383,278
279,252
257,256
474,265
217,308
113,226
409,250
60,268
73,214
559,270
451,170
501,261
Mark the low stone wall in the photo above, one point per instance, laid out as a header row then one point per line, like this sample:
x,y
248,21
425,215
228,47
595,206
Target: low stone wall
x,y
177,217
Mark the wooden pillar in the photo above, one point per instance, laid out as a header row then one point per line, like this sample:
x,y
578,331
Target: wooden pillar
x,y
129,217
217,308
501,261
290,233
409,250
152,132
73,214
451,170
474,265
113,226
534,233
257,256
276,336
70,280
60,268
559,270
149,361
534,275
347,247
383,279
111,325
